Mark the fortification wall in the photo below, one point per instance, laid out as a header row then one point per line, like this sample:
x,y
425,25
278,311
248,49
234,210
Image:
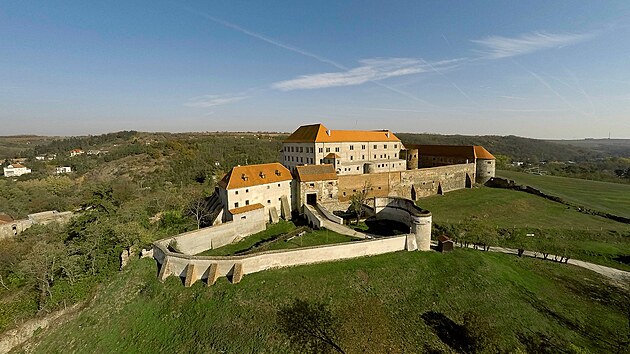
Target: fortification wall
x,y
485,170
425,182
17,226
200,267
197,241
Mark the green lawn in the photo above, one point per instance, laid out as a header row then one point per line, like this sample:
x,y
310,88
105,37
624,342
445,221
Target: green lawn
x,y
311,238
602,196
385,304
585,237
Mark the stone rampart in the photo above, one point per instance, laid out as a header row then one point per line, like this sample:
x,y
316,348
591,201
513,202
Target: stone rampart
x,y
410,184
197,241
209,268
17,226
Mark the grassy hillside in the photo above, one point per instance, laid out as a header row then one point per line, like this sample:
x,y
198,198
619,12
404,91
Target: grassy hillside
x,y
586,237
603,196
400,302
614,147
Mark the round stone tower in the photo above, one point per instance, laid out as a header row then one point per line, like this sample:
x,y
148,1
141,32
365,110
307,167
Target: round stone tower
x,y
484,170
412,159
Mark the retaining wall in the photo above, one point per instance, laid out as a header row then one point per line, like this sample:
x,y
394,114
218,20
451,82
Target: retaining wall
x,y
197,241
195,268
329,215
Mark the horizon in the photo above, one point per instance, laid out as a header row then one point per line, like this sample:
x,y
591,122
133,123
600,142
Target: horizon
x,y
548,71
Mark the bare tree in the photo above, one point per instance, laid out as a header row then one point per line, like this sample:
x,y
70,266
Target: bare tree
x,y
358,199
199,209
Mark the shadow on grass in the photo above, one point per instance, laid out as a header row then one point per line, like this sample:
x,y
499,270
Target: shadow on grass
x,y
449,332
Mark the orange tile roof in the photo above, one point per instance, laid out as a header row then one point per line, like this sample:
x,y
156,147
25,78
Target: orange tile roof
x,y
311,173
465,151
318,133
246,208
482,153
255,175
332,155
16,165
5,219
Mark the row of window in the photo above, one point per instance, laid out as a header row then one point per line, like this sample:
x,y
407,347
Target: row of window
x,y
247,202
321,150
299,159
247,189
298,149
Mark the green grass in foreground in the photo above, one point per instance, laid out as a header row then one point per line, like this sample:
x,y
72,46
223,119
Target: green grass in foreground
x,y
381,302
585,237
606,197
311,238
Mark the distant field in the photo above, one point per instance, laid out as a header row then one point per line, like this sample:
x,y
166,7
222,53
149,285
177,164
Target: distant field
x,y
404,302
602,196
585,237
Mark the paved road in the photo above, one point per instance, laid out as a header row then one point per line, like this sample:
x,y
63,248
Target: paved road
x,y
621,276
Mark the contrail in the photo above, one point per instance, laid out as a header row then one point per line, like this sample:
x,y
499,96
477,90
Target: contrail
x,y
300,51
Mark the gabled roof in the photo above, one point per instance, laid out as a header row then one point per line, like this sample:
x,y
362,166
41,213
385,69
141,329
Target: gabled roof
x,y
16,165
246,208
466,151
311,173
5,219
482,153
318,133
332,155
255,175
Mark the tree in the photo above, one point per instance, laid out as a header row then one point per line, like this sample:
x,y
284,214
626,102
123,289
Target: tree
x,y
358,199
199,208
310,326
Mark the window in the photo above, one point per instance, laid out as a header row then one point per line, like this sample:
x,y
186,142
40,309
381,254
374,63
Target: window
x,y
395,154
385,146
292,149
395,146
489,162
351,158
301,149
362,157
375,146
247,202
351,147
247,191
302,159
362,147
336,149
243,217
278,184
327,149
321,149
268,187
330,196
268,201
357,168
236,205
330,183
312,185
321,161
344,194
374,156
236,192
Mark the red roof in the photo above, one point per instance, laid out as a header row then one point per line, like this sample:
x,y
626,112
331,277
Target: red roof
x,y
318,133
311,173
465,151
255,175
246,208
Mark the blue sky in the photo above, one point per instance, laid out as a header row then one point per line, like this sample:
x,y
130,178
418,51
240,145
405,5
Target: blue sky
x,y
544,69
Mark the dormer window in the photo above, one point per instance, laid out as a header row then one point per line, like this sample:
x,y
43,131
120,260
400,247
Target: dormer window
x,y
262,174
244,177
278,173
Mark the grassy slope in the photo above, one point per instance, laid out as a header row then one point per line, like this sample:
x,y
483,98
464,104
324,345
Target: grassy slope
x,y
311,238
587,237
603,196
379,300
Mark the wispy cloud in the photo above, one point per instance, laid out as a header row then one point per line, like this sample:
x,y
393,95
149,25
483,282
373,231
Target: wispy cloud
x,y
206,101
496,47
370,70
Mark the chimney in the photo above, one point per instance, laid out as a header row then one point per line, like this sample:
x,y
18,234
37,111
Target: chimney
x,y
387,134
328,132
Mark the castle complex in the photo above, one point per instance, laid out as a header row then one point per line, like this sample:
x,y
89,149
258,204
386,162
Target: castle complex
x,y
324,166
319,172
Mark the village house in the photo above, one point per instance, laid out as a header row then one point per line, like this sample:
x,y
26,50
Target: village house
x,y
15,170
63,169
76,152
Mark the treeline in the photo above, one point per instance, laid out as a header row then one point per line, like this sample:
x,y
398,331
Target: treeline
x,y
517,148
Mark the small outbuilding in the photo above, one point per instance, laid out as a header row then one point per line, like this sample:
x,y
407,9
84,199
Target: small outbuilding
x,y
445,244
